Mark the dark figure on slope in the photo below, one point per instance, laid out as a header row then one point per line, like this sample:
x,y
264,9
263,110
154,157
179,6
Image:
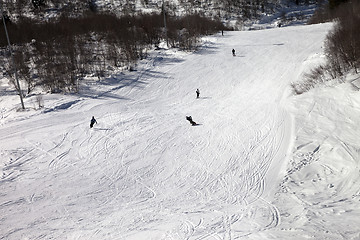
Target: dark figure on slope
x,y
92,122
233,52
197,93
189,118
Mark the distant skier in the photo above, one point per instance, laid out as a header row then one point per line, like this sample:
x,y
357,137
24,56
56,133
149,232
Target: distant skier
x,y
189,118
92,122
197,93
233,52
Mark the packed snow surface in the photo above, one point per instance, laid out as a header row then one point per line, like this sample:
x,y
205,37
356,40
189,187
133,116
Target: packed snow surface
x,y
248,170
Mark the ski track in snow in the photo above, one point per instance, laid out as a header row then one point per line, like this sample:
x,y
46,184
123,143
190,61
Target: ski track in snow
x,y
143,172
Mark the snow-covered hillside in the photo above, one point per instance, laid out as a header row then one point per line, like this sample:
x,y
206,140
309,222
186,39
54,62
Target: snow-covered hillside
x,y
237,15
260,164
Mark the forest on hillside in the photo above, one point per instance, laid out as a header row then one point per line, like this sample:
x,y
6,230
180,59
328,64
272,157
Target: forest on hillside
x,y
341,47
57,43
57,54
224,9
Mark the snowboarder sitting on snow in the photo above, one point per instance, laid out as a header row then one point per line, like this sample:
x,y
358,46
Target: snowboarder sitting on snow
x,y
197,93
92,122
233,52
189,118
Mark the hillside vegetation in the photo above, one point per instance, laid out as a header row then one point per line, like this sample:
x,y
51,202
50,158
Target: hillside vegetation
x,y
342,45
57,54
224,9
57,43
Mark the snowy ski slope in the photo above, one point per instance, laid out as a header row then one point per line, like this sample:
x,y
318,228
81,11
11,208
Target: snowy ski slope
x,y
143,172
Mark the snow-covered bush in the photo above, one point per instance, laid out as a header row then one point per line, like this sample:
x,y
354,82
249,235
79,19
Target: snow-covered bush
x,y
343,42
342,49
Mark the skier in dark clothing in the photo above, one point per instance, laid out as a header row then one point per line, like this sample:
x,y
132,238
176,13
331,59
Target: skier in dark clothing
x,y
189,118
92,122
197,93
233,52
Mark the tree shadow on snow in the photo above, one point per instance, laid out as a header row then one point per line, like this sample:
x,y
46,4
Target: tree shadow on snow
x,y
117,82
61,106
166,60
207,49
